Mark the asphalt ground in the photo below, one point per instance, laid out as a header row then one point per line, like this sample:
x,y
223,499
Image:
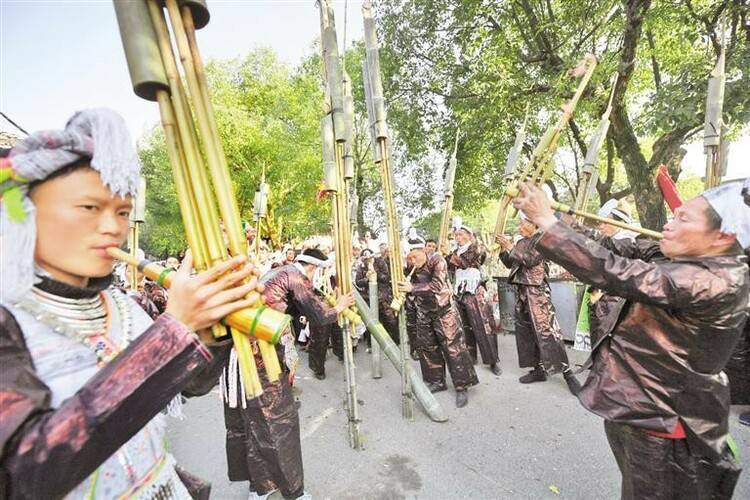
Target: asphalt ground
x,y
512,441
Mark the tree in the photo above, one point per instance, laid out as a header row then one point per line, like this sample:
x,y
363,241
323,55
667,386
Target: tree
x,y
480,63
268,115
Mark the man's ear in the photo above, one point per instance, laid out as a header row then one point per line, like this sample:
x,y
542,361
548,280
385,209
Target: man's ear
x,y
724,240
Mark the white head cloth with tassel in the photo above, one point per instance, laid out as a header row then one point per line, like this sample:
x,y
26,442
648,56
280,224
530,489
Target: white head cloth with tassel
x,y
730,202
99,134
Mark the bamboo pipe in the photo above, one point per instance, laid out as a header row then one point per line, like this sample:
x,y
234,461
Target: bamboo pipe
x,y
391,350
238,320
133,247
253,387
540,164
198,192
207,245
397,276
184,33
341,228
204,237
567,209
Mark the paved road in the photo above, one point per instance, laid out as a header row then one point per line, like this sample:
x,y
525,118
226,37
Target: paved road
x,y
511,441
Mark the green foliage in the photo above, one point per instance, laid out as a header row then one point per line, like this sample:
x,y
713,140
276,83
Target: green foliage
x,y
268,116
478,64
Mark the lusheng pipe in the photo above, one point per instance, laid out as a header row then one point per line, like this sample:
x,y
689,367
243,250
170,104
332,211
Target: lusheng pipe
x,y
421,393
713,128
377,117
539,167
335,113
450,178
567,209
589,172
147,43
268,324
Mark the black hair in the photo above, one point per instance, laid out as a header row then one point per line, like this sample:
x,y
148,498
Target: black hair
x,y
430,240
81,163
315,254
713,218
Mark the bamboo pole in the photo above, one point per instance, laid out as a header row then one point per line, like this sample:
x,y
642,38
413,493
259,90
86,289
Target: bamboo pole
x,y
379,130
195,195
539,167
376,365
184,34
567,209
334,162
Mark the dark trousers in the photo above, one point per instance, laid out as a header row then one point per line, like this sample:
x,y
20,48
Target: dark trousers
x,y
388,318
478,331
539,340
439,343
665,469
263,441
317,345
410,309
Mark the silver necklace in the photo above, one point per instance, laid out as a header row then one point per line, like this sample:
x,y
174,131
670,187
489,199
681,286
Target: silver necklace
x,y
83,320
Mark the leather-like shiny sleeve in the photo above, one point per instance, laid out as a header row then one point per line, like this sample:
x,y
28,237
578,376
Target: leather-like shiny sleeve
x,y
678,284
632,248
438,277
208,377
50,451
309,304
472,257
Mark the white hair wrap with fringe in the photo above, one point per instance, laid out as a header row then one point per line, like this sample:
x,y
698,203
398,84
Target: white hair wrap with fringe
x,y
728,201
99,134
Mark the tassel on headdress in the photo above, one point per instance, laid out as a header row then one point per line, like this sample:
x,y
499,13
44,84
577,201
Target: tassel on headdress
x,y
99,134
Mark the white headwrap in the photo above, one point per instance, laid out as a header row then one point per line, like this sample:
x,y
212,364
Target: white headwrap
x,y
415,241
610,209
99,134
728,200
458,224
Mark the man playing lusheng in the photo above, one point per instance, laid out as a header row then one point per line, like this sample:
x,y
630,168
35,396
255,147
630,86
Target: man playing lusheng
x,y
439,341
479,333
262,434
657,376
84,372
539,341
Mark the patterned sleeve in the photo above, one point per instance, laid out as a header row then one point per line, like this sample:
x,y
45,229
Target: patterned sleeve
x,y
46,452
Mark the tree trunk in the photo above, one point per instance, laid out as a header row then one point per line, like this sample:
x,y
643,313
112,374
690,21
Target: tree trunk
x,y
648,200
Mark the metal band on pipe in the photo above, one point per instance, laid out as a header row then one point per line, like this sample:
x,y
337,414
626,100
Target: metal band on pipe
x,y
141,48
199,9
330,181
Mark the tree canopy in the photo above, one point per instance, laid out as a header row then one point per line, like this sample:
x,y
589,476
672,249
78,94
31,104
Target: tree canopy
x,y
478,64
268,116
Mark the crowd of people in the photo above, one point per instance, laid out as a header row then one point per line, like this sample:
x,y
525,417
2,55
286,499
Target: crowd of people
x,y
89,367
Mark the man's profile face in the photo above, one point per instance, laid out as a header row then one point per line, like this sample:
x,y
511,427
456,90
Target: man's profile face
x,y
418,257
688,234
173,262
383,250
